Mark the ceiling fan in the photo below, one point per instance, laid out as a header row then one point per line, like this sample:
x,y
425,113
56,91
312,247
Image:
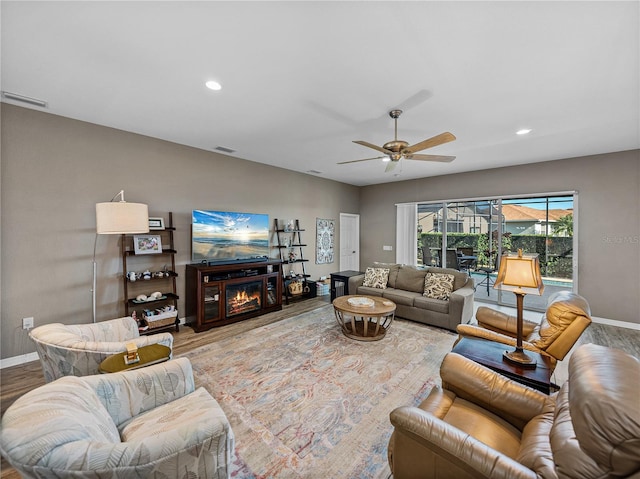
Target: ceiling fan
x,y
396,150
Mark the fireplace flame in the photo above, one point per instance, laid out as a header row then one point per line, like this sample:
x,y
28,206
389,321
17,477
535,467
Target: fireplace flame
x,y
244,300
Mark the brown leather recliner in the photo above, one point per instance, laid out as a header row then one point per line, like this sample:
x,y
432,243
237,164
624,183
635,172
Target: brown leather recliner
x,y
483,425
566,318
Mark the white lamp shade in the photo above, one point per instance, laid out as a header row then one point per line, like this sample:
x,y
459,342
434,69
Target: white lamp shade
x,y
121,218
520,273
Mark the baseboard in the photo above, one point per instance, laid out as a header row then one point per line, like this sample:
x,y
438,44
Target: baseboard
x,y
615,322
27,358
18,360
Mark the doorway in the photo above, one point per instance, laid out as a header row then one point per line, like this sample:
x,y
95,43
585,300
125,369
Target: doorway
x,y
349,242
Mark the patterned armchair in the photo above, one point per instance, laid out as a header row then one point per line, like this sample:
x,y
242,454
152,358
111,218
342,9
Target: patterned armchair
x,y
78,350
148,422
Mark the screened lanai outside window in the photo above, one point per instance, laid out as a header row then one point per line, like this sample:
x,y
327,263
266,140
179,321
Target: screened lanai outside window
x,y
472,235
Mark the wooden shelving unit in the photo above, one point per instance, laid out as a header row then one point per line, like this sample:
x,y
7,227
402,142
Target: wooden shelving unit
x,y
162,269
291,251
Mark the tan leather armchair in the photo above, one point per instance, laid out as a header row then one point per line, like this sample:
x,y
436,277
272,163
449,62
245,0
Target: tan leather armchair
x,y
566,318
483,425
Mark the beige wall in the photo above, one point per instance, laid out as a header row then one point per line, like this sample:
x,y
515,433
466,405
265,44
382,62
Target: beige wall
x,y
608,218
54,171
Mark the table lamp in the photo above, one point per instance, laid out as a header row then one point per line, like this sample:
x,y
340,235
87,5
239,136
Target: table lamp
x,y
520,274
118,217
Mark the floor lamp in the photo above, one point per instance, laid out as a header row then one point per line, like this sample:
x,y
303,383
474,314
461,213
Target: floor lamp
x,y
520,274
117,217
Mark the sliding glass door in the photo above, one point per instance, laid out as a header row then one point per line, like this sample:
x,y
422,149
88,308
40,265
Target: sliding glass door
x,y
471,235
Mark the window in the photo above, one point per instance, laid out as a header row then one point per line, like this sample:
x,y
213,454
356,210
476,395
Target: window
x,y
489,227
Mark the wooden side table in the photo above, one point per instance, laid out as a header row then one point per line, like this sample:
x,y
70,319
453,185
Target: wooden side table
x,y
150,354
340,283
489,354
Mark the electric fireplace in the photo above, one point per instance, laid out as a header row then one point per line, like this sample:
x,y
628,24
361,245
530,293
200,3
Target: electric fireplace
x,y
243,298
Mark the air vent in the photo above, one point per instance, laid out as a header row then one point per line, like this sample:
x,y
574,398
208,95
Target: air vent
x,y
224,149
314,172
24,99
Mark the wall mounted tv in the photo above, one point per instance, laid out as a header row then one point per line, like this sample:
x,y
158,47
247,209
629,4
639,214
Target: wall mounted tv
x,y
225,236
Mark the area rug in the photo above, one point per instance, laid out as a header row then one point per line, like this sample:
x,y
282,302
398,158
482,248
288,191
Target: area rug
x,y
304,401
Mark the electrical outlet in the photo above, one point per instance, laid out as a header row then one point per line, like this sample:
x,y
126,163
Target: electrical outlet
x,y
387,248
27,323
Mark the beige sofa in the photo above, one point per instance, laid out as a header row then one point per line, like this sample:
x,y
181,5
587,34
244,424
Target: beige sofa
x,y
405,287
483,425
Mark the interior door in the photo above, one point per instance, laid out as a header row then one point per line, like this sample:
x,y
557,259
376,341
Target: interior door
x,y
349,242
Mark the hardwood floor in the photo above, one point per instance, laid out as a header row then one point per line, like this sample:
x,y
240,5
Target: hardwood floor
x,y
17,380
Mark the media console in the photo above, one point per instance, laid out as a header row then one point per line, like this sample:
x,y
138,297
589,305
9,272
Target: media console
x,y
226,293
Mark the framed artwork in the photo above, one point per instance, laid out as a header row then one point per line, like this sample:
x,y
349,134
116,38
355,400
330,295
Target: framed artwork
x,y
147,244
325,232
156,223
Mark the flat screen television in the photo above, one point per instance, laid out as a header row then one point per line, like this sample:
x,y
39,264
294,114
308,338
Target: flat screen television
x,y
225,236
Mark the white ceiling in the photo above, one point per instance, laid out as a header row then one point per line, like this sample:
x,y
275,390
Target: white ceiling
x,y
301,80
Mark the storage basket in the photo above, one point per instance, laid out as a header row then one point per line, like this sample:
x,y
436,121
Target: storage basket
x,y
161,320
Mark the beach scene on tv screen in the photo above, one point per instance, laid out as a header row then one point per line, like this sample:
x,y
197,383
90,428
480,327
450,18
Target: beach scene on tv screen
x,y
223,235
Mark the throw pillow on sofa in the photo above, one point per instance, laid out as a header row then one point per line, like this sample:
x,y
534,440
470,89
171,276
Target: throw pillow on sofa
x,y
438,285
376,278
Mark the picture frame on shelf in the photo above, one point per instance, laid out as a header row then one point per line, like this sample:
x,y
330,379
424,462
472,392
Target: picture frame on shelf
x,y
156,223
147,244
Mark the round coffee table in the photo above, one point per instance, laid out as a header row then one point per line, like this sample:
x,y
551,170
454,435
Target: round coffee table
x,y
365,318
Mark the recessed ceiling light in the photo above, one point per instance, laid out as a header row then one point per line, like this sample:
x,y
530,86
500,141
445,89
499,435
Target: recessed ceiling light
x,y
213,85
524,131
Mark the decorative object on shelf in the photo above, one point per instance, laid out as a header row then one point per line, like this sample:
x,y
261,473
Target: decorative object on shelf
x,y
295,287
156,223
117,218
520,274
132,276
289,226
325,232
150,244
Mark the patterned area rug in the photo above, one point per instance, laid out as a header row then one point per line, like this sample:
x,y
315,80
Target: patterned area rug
x,y
304,401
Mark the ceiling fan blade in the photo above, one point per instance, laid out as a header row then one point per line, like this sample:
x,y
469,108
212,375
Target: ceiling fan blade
x,y
356,161
371,145
442,159
413,101
430,143
391,165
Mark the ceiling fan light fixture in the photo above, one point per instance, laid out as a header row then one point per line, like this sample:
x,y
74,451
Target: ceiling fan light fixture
x,y
386,159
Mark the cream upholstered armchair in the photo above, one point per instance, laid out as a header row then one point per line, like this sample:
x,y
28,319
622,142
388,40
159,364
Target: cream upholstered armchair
x,y
483,425
78,350
148,422
566,318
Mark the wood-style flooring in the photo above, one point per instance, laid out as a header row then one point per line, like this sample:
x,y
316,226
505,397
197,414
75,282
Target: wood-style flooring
x,y
17,380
